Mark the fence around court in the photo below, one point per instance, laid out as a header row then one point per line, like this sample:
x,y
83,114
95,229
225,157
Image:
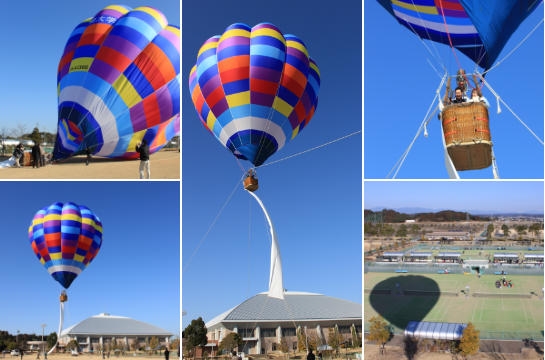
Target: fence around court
x,y
506,247
453,268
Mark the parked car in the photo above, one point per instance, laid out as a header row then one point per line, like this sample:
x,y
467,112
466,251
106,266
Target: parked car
x,y
15,352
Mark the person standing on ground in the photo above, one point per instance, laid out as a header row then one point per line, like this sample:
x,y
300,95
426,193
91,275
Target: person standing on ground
x,y
18,154
42,156
88,158
143,149
36,156
166,353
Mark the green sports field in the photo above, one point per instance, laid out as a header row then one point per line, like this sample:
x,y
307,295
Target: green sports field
x,y
504,313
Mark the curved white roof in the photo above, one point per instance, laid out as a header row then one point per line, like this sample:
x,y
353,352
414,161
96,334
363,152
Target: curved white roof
x,y
295,307
435,330
106,324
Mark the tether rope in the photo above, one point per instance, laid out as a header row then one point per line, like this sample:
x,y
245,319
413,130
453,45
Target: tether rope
x,y
435,55
312,149
448,35
427,117
205,236
498,98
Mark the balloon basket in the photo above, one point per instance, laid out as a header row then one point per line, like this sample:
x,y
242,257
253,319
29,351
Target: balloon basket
x,y
251,183
63,297
467,135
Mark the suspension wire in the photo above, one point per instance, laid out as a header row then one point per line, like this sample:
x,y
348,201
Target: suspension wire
x,y
512,112
429,114
400,162
212,224
312,149
499,62
434,54
448,35
484,83
522,122
242,177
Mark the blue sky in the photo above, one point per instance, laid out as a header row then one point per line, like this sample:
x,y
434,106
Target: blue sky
x,y
36,33
472,196
135,274
314,199
400,85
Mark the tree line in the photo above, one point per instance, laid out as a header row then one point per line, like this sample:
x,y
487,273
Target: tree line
x,y
19,341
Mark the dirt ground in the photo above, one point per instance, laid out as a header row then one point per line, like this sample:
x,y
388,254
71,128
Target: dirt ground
x,y
94,357
164,165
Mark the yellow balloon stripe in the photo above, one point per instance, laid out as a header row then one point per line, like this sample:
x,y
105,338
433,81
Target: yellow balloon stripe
x,y
238,99
126,91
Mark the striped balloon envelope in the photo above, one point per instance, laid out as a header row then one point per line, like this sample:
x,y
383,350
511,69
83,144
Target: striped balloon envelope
x,y
118,82
254,89
65,237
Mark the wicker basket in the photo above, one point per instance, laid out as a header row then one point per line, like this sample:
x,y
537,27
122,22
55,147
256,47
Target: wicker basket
x,y
467,135
251,183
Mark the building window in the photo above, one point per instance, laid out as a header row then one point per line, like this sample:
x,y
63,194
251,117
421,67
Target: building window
x,y
288,332
273,346
245,333
344,329
268,332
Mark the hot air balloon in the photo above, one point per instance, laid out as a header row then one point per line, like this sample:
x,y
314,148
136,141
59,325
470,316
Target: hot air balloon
x,y
254,89
479,30
118,82
65,238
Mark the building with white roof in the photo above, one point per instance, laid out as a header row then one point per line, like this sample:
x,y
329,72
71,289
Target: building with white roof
x,y
103,331
264,322
270,319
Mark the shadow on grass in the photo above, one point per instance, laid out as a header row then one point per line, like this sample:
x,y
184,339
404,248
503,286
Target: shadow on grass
x,y
404,298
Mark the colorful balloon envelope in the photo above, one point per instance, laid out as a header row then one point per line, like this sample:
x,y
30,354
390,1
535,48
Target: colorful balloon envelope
x,y
479,29
119,82
65,237
254,89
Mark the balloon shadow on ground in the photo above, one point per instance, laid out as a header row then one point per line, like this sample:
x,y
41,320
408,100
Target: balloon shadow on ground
x,y
404,298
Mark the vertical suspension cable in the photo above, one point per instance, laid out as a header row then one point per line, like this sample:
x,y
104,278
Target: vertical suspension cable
x,y
448,35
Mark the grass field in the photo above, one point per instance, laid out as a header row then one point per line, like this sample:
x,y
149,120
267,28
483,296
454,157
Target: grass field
x,y
400,298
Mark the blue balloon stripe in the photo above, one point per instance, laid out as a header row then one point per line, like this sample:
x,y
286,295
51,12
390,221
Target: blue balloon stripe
x,y
139,81
207,72
136,38
267,62
231,51
86,51
268,51
236,86
146,20
144,29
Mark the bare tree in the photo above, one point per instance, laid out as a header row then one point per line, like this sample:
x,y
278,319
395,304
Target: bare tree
x,y
19,131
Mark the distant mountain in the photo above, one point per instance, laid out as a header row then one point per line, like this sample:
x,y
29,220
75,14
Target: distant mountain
x,y
394,216
495,213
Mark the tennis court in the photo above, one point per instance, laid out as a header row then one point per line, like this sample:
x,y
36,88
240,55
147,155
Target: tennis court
x,y
499,313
